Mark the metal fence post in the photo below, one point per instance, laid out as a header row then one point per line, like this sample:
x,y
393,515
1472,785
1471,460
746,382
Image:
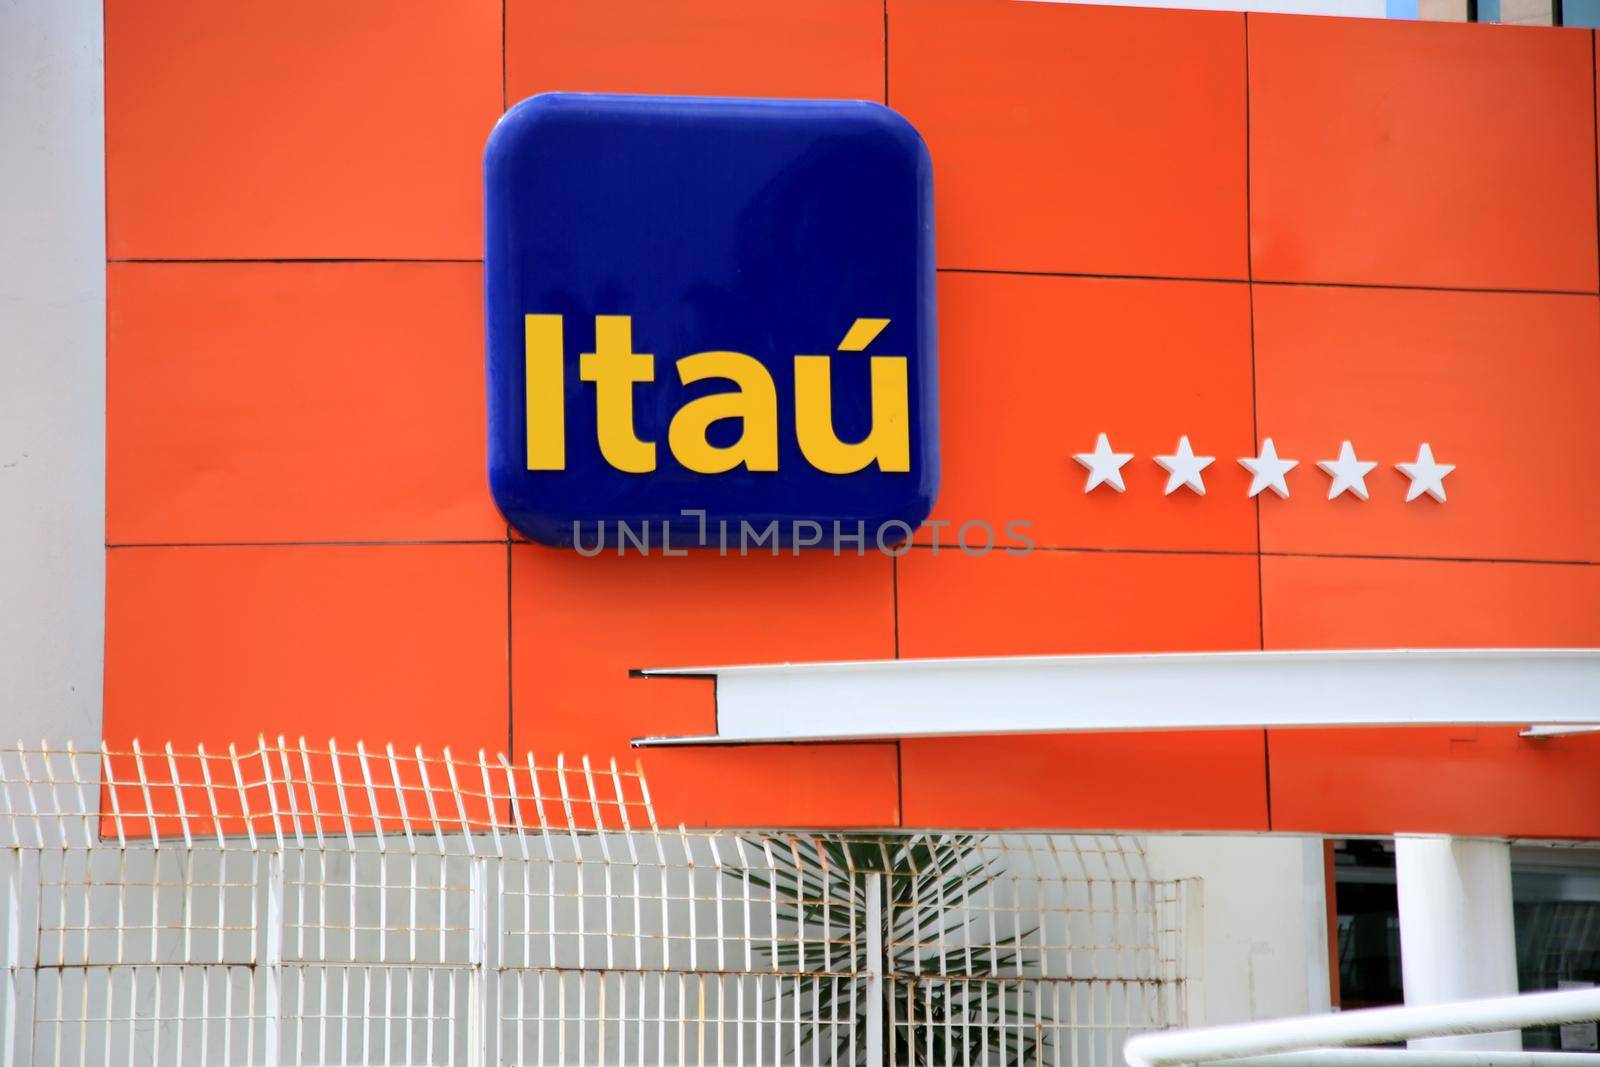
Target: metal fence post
x,y
875,998
272,962
21,952
1192,969
482,984
13,891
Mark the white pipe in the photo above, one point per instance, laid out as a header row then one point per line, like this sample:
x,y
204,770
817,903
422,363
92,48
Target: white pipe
x,y
1399,1057
1375,1025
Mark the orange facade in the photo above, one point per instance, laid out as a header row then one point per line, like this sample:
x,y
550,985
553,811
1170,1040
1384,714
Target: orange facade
x,y
1150,222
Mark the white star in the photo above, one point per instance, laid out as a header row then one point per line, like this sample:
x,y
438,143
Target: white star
x,y
1184,467
1347,472
1426,475
1267,470
1103,465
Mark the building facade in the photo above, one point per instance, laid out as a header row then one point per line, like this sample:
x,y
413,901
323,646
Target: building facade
x,y
1191,231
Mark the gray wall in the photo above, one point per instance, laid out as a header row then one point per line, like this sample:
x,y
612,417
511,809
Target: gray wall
x,y
52,370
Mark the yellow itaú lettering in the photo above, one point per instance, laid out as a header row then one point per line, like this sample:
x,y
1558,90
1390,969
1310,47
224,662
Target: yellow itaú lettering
x,y
889,439
754,403
614,367
546,392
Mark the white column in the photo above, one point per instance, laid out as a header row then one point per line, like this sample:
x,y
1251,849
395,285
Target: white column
x,y
1456,935
1314,917
52,369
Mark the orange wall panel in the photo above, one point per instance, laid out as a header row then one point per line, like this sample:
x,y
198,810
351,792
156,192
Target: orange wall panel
x,y
297,128
1504,386
296,402
266,402
580,625
1081,602
1201,780
1053,603
1440,780
782,48
403,643
1031,369
847,786
1391,603
1482,782
1069,138
1387,152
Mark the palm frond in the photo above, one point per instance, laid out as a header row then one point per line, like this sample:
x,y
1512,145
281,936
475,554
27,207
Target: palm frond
x,y
946,1007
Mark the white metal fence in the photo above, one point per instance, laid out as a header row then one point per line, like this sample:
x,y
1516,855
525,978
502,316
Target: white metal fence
x,y
295,906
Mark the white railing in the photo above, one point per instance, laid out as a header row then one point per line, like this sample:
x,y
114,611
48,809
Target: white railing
x,y
1305,1041
1396,1057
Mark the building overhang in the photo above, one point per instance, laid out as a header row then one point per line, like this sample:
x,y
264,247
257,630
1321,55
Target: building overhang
x,y
1550,691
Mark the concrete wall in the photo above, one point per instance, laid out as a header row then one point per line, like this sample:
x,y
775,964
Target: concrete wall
x,y
1264,922
52,370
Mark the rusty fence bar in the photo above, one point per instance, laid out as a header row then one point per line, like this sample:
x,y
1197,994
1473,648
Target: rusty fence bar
x,y
297,905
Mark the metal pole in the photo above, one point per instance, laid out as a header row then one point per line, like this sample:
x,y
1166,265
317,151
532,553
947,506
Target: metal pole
x,y
1376,1025
272,960
875,998
13,1004
479,1007
1397,1057
22,955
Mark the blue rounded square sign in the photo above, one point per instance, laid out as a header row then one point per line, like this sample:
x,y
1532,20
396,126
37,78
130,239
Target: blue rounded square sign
x,y
711,320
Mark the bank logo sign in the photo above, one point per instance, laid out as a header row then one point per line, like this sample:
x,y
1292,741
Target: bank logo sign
x,y
710,319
